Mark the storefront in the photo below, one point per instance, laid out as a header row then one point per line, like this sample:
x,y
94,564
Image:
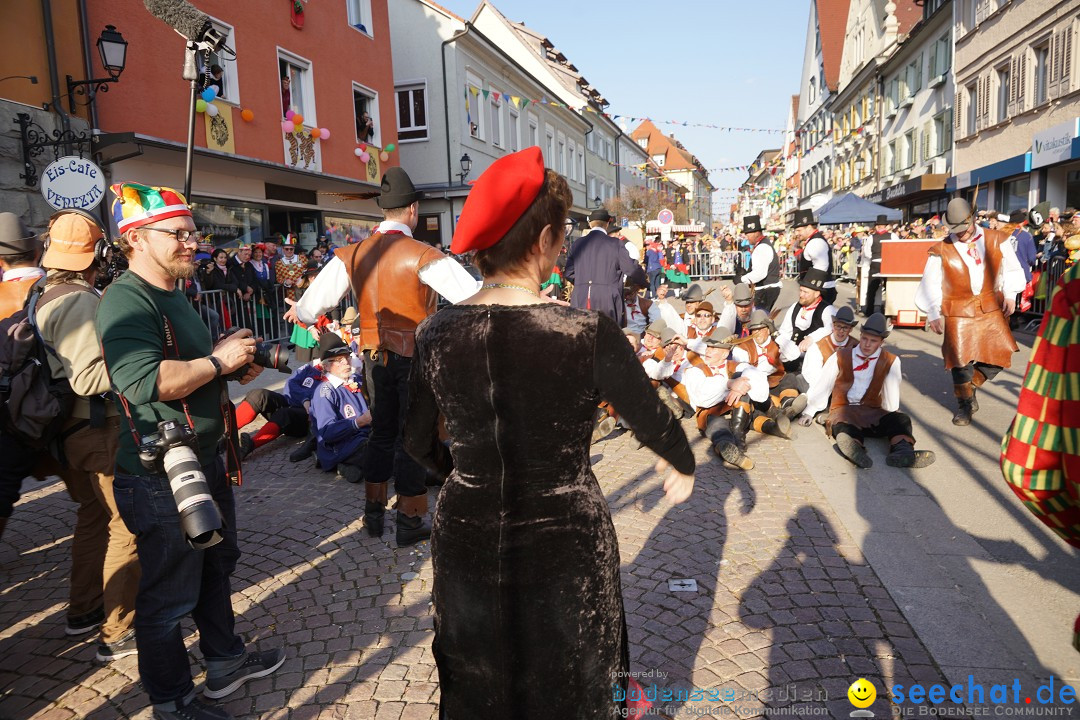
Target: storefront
x,y
919,198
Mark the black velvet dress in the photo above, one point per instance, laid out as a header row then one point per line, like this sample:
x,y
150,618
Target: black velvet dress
x,y
528,603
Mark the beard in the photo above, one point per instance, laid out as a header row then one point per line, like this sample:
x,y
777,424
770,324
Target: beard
x,y
177,268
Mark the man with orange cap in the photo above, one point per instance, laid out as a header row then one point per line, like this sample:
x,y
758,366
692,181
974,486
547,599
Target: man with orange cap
x,y
104,564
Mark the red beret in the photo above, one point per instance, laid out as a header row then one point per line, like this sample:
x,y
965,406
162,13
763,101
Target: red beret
x,y
499,197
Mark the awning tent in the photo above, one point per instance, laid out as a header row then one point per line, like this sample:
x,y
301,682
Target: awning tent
x,y
850,208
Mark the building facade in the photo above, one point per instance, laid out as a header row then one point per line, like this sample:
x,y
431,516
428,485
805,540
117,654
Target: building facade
x,y
1016,103
685,175
254,176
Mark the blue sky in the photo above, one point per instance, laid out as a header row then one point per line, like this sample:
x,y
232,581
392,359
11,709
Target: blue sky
x,y
722,62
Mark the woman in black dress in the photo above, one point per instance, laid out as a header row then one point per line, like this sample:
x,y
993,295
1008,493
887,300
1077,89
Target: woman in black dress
x,y
528,604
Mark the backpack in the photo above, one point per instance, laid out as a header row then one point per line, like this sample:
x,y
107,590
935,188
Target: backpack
x,y
33,406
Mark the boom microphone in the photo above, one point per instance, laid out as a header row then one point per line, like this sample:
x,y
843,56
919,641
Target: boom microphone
x,y
188,21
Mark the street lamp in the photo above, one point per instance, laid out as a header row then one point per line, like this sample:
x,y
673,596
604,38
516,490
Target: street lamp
x,y
466,166
860,164
597,202
113,51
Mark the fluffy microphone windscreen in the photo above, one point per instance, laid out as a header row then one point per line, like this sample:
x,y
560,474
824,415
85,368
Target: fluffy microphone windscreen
x,y
180,15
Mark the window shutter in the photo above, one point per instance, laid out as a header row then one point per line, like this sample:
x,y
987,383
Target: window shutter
x,y
959,96
987,82
1012,86
980,94
945,143
1066,60
1053,59
931,65
1021,81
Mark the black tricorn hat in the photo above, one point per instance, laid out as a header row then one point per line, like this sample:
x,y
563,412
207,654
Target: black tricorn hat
x,y
804,218
882,220
875,325
751,224
814,279
600,214
331,345
398,190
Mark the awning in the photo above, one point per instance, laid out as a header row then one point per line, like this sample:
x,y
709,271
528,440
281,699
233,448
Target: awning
x,y
906,191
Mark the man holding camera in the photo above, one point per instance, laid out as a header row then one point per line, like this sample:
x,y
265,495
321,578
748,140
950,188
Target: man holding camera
x,y
168,376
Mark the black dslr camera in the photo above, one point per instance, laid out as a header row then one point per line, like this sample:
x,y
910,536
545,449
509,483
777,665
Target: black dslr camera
x,y
172,450
267,355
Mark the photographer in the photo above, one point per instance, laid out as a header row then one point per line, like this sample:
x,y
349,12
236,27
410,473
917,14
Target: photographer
x,y
168,374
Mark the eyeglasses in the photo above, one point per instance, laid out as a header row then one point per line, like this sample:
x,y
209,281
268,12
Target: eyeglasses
x,y
703,314
179,235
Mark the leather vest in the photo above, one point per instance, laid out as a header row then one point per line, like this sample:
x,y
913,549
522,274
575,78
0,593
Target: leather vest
x,y
391,301
845,378
827,349
816,321
14,294
772,352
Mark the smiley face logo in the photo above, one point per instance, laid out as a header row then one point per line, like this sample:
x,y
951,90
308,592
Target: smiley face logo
x,y
862,693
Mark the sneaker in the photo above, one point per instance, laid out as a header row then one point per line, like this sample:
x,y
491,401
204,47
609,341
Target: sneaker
x,y
82,624
194,710
256,665
107,652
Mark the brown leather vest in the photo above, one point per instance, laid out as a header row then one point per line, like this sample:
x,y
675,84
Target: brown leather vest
x,y
772,352
391,300
975,327
14,294
826,347
846,378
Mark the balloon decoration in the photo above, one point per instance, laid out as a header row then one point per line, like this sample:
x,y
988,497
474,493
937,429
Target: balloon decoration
x,y
211,109
363,147
200,105
297,119
209,93
358,152
289,114
390,148
247,115
384,156
288,126
314,132
324,134
365,157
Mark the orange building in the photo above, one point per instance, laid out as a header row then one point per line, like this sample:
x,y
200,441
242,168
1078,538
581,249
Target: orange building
x,y
252,179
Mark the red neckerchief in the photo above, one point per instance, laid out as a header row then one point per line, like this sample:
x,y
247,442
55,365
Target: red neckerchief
x,y
810,308
972,251
866,362
633,308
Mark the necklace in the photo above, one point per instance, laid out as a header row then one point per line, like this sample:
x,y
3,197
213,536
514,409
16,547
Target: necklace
x,y
508,286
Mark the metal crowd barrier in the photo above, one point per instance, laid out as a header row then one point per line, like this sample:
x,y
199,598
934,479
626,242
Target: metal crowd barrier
x,y
222,311
1052,271
723,264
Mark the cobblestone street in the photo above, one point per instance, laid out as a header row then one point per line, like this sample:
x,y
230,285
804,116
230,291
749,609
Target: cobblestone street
x,y
785,602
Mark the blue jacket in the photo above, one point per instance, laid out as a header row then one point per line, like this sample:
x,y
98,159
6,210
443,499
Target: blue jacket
x,y
1025,250
652,260
301,385
334,411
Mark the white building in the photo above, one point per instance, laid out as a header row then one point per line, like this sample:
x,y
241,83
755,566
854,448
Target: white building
x,y
459,94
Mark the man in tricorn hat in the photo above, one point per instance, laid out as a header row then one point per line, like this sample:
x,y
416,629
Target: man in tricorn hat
x,y
817,253
596,265
20,252
764,272
409,274
968,290
861,388
871,250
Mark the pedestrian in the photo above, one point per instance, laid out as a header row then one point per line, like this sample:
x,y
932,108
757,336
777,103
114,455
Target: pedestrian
x,y
395,280
764,271
958,292
165,368
871,249
816,252
504,368
104,564
1040,457
596,265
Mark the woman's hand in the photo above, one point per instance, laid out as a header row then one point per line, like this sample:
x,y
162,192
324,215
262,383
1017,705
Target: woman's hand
x,y
677,487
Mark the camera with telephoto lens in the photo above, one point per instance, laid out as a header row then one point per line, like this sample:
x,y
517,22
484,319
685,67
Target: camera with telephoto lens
x,y
267,355
172,450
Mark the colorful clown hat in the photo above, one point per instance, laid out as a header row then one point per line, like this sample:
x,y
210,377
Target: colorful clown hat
x,y
137,205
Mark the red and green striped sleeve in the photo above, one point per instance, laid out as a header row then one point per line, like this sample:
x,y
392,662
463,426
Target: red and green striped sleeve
x,y
1040,454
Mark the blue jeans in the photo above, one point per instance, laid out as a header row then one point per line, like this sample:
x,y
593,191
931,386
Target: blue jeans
x,y
178,580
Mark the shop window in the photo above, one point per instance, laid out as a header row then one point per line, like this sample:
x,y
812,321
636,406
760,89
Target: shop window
x,y
340,231
1014,194
412,112
228,224
366,115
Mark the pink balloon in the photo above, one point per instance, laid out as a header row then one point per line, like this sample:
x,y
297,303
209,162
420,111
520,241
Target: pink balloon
x,y
288,126
324,134
289,113
365,156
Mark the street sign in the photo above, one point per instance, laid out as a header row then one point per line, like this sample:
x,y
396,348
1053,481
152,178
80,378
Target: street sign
x,y
73,182
665,217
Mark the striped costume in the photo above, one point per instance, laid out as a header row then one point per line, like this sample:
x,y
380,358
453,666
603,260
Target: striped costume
x,y
1040,455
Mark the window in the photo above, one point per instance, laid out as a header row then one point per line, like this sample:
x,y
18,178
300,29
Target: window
x,y
972,108
659,160
561,154
360,15
412,112
890,157
221,72
1042,70
550,155
474,108
366,112
580,164
513,129
643,143
1015,193
941,56
942,132
909,149
298,94
495,113
572,153
812,93
590,141
1003,93
534,131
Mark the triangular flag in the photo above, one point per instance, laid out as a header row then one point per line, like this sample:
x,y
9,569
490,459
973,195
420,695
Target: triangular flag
x,y
524,102
485,94
516,100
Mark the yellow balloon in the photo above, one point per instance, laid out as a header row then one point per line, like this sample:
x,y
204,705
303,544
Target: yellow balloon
x,y
862,693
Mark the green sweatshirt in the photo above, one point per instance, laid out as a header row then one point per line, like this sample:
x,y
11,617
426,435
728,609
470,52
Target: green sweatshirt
x,y
132,329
